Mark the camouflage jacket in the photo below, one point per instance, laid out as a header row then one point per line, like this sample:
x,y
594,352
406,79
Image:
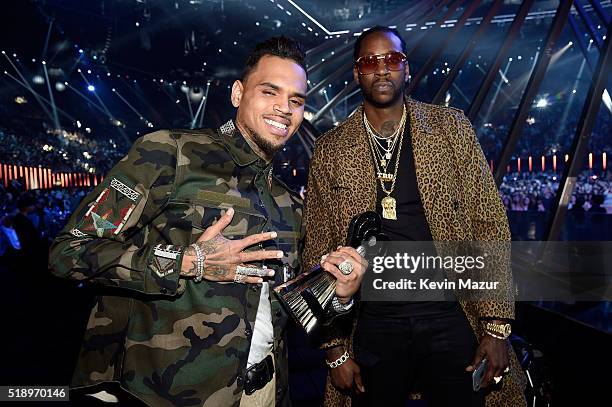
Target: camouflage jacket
x,y
168,340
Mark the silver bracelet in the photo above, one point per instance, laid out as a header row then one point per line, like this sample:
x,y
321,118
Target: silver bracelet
x,y
199,263
339,361
339,307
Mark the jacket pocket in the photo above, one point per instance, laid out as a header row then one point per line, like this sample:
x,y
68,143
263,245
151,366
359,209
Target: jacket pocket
x,y
196,215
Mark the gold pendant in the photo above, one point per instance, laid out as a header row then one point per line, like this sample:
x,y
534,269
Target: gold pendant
x,y
383,162
384,176
388,208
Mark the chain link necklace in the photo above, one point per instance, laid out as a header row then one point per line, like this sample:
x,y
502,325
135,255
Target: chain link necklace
x,y
388,203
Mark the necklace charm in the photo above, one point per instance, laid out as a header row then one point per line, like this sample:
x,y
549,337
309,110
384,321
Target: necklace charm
x,y
383,163
388,155
384,176
388,208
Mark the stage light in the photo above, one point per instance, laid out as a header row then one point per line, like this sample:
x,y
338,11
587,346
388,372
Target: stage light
x,y
38,80
20,100
542,103
91,88
78,123
574,91
60,87
519,57
570,43
80,51
89,71
137,24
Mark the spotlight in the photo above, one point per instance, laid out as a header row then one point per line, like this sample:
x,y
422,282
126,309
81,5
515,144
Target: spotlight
x,y
91,88
20,100
542,103
38,80
60,87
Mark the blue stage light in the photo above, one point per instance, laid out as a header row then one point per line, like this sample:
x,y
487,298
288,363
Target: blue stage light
x,y
91,88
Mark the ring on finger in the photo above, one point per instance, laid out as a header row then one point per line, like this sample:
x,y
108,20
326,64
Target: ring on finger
x,y
346,267
240,278
251,271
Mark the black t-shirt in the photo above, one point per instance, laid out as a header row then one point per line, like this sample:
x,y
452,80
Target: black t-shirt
x,y
411,225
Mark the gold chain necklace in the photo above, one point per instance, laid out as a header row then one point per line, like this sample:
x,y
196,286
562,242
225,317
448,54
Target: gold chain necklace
x,y
388,203
385,155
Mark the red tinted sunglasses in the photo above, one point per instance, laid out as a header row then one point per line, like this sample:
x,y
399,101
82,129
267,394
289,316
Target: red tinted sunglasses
x,y
368,64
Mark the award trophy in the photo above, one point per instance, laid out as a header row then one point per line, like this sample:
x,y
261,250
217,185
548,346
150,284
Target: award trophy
x,y
307,296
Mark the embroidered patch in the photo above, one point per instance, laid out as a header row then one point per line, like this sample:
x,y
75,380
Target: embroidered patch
x,y
228,128
167,251
101,224
76,232
164,258
124,189
109,213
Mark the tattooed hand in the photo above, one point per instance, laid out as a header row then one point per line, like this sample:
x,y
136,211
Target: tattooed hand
x,y
223,255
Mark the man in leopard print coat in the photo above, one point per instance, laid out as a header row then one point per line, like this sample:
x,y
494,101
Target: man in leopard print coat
x,y
444,192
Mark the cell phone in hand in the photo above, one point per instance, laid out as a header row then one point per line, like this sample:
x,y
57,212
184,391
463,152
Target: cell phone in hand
x,y
479,374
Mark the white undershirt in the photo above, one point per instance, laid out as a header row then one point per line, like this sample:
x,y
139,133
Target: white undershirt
x,y
263,332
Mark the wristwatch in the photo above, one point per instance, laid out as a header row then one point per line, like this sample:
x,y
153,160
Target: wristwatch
x,y
499,331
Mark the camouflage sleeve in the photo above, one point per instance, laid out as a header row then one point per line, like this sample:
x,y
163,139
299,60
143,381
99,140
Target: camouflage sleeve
x,y
106,239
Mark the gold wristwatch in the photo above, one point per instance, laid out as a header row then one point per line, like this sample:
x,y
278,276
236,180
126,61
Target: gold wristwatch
x,y
499,331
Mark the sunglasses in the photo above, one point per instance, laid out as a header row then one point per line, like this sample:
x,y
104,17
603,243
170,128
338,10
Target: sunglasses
x,y
368,64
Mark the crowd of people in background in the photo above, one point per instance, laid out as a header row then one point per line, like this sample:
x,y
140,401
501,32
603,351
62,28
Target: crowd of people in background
x,y
63,151
29,220
537,192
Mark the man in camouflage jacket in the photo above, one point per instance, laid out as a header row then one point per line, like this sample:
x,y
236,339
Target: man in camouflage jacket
x,y
161,335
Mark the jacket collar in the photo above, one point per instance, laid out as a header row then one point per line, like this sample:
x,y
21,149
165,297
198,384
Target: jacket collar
x,y
238,148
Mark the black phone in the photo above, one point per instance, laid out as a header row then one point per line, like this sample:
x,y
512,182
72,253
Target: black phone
x,y
479,374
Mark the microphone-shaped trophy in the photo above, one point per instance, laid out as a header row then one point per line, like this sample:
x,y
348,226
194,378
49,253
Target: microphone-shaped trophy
x,y
307,296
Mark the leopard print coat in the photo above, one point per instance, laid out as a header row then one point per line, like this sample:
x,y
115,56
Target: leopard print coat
x,y
459,198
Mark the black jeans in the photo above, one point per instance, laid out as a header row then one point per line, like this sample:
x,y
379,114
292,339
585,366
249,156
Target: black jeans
x,y
427,354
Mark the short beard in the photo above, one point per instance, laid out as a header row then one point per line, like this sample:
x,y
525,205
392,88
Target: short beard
x,y
397,95
264,145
